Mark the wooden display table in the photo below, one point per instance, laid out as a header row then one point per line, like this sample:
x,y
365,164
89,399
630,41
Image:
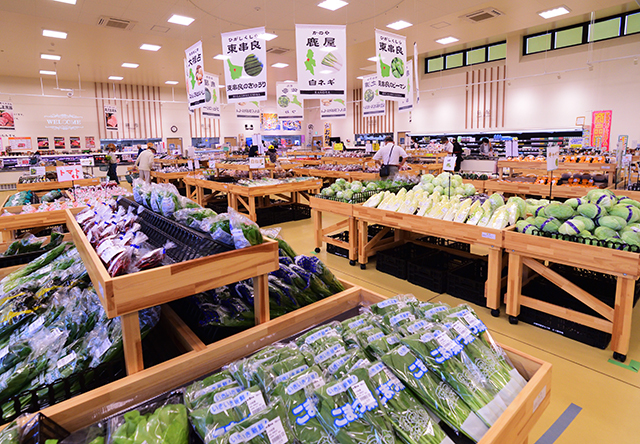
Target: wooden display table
x,y
533,251
48,186
426,168
347,160
513,426
161,177
196,188
437,157
346,175
540,168
532,189
319,206
171,161
125,295
479,184
242,167
304,153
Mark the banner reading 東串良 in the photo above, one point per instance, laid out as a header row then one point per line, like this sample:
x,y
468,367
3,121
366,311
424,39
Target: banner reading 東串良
x,y
333,108
194,71
372,103
601,129
289,103
245,70
391,52
211,106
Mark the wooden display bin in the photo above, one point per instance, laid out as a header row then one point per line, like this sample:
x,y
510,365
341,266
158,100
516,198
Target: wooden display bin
x,y
479,184
8,224
161,177
540,168
320,206
532,189
513,426
48,186
242,167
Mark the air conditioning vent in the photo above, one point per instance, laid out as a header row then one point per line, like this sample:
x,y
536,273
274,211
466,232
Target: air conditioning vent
x,y
277,50
482,15
109,22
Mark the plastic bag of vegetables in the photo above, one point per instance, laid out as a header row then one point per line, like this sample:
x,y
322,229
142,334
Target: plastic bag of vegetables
x,y
244,231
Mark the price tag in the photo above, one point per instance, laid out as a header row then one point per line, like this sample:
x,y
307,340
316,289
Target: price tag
x,y
71,172
88,162
553,158
449,163
190,164
37,171
626,160
256,163
66,360
275,432
197,163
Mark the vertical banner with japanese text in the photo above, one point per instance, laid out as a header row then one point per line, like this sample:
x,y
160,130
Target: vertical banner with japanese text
x,y
194,70
406,104
6,116
601,129
248,110
391,52
245,72
289,103
211,106
321,54
372,103
327,134
111,117
333,108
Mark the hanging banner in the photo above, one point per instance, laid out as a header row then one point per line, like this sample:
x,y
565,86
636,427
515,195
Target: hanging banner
x,y
405,105
391,51
43,143
245,72
601,129
372,103
416,77
111,117
322,61
289,103
211,106
248,110
333,108
194,70
6,116
327,134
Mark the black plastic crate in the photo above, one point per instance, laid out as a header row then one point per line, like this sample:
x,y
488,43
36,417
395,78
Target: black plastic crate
x,y
40,428
462,246
339,251
395,260
301,211
467,282
43,231
20,259
277,214
432,271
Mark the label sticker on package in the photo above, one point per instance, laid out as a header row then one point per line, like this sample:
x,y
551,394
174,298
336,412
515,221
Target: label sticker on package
x,y
106,344
276,432
364,395
256,403
67,359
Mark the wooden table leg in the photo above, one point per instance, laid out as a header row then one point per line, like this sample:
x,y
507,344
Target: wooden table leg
x,y
514,286
317,228
261,298
132,343
252,208
200,195
353,240
363,258
622,318
494,280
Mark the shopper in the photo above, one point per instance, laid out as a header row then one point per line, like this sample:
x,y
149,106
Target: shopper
x,y
485,147
447,145
112,173
144,162
390,155
253,151
318,145
273,155
457,151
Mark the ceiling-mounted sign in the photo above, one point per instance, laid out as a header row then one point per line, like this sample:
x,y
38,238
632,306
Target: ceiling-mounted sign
x,y
6,116
194,71
289,103
406,104
372,103
333,108
245,70
248,110
321,59
111,117
211,106
601,129
391,52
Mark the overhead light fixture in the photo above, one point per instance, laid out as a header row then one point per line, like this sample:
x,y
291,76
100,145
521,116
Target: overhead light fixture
x,y
221,57
326,71
400,24
50,57
115,78
181,20
69,2
332,5
555,12
129,65
447,40
148,47
47,73
373,59
279,65
54,34
171,82
266,36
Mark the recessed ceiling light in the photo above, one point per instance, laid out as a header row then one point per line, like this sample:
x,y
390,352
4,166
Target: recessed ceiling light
x,y
332,5
54,34
289,81
171,82
69,2
373,59
266,36
279,65
115,78
129,65
50,57
47,73
446,40
148,47
555,12
181,20
400,24
221,57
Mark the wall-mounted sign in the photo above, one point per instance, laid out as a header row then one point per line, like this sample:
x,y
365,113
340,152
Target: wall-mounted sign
x,y
89,142
43,143
59,143
69,172
74,142
63,122
6,116
20,143
111,117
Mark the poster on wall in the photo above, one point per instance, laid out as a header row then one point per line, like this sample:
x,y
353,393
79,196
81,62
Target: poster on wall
x,y
211,108
74,142
59,143
391,52
43,143
248,110
269,122
321,59
327,134
292,125
111,117
245,72
601,129
90,142
20,143
372,103
6,116
333,108
289,103
405,105
194,70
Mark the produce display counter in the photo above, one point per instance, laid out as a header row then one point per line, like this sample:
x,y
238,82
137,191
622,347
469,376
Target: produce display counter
x,y
363,161
171,161
161,177
541,168
437,157
532,189
9,224
125,295
241,167
513,426
48,186
534,251
459,232
304,153
349,176
426,168
323,234
479,184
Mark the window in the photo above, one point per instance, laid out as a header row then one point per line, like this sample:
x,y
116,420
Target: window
x,y
476,56
569,37
435,64
498,52
605,30
455,60
632,24
539,43
467,57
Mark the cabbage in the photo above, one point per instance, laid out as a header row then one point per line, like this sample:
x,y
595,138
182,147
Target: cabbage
x,y
571,227
592,211
464,210
356,187
603,233
329,192
522,205
589,225
631,238
335,187
469,189
548,225
559,211
600,197
522,226
628,212
627,201
459,191
632,227
456,180
371,186
438,189
575,203
475,216
452,211
374,200
496,200
347,195
513,213
500,218
613,222
427,178
342,183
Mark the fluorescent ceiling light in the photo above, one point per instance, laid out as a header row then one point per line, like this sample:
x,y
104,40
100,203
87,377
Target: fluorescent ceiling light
x,y
279,65
332,5
171,82
221,57
50,57
373,59
69,2
400,24
148,47
47,73
181,20
266,36
54,34
289,81
130,65
447,40
326,71
115,78
555,12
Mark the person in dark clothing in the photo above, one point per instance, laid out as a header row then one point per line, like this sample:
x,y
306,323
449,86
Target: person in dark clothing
x,y
271,152
112,174
457,151
253,151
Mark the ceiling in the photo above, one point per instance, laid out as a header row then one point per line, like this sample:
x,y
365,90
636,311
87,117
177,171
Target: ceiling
x,y
95,52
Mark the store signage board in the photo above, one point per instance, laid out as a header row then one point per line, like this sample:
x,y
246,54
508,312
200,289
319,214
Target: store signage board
x,y
194,71
338,146
391,52
245,70
553,158
190,164
626,160
248,110
601,129
333,108
211,108
289,102
70,172
256,163
37,171
372,103
449,163
87,162
197,164
405,105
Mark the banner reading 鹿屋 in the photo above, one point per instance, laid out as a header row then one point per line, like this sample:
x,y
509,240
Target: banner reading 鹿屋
x,y
6,116
333,108
211,106
245,70
406,104
372,103
248,110
391,52
194,71
321,57
289,103
111,117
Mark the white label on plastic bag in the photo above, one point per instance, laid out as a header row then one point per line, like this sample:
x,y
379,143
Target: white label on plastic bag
x,y
223,406
417,326
66,360
392,339
539,398
399,386
489,236
106,344
218,385
342,386
336,350
388,302
226,394
405,315
464,332
275,432
36,324
446,342
403,350
317,335
355,324
4,352
375,369
364,395
375,337
256,403
249,433
302,382
317,383
291,374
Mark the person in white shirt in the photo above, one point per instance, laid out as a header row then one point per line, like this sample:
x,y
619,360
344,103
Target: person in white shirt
x,y
392,155
485,147
447,145
144,162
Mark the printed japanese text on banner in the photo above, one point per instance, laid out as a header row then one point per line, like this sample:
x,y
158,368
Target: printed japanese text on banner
x,y
111,117
601,129
211,107
333,108
391,51
372,103
322,61
194,70
248,110
290,104
245,69
406,104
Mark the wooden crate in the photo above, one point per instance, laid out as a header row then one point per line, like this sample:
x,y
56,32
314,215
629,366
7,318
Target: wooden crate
x,y
513,426
479,184
323,234
44,186
525,188
8,224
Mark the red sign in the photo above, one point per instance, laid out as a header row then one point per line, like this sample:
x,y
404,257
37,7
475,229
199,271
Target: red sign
x,y
601,129
71,172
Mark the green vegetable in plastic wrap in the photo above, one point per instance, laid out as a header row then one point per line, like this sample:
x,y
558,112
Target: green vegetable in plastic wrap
x,y
167,424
